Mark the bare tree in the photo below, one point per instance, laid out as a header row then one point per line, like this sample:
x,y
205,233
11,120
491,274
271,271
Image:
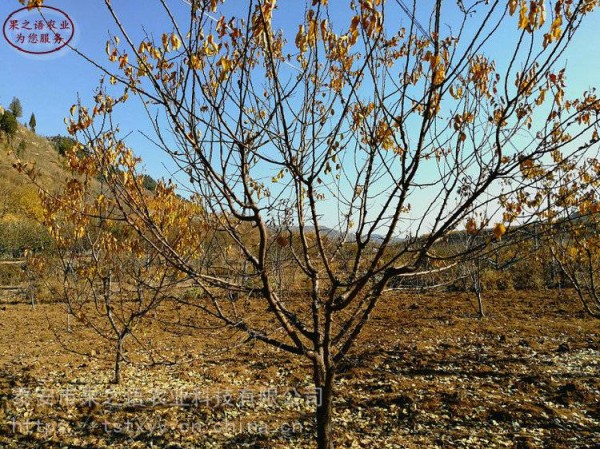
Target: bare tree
x,y
573,228
334,140
470,270
108,276
581,267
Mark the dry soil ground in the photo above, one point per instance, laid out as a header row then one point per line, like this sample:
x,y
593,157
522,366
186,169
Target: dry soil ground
x,y
426,374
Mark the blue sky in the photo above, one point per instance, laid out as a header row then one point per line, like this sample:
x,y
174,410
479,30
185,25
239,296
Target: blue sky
x,y
48,86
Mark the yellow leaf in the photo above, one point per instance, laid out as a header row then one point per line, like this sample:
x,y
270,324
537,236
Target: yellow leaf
x,y
523,16
175,42
541,97
555,30
123,61
301,39
226,67
354,29
210,47
499,230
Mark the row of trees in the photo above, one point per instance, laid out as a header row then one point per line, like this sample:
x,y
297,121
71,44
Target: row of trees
x,y
547,255
349,121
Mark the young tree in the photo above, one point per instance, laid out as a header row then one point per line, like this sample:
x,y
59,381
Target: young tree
x,y
470,271
16,108
575,249
112,278
32,122
351,122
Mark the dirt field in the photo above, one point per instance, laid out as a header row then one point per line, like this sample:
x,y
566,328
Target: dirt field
x,y
426,374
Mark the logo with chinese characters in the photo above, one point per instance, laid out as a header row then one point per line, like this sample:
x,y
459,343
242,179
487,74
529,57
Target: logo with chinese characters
x,y
39,31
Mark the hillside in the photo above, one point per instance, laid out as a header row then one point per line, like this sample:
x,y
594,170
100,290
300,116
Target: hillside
x,y
19,203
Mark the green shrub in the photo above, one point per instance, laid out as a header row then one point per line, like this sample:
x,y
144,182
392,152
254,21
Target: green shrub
x,y
15,107
9,124
62,144
149,183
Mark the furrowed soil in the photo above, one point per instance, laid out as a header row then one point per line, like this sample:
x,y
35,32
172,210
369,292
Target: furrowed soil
x,y
426,373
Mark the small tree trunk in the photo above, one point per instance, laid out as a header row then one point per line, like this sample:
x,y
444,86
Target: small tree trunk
x,y
118,359
478,288
324,385
480,304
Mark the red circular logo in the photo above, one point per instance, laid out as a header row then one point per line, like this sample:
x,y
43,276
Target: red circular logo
x,y
38,31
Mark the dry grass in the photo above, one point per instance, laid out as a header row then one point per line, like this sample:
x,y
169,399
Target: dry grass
x,y
38,150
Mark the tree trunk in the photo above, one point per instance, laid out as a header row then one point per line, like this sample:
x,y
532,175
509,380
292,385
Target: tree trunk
x,y
480,304
478,288
324,385
118,359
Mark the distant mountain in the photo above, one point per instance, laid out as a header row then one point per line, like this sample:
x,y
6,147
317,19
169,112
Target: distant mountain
x,y
335,234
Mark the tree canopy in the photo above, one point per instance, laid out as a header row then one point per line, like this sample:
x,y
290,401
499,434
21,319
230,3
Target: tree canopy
x,y
16,108
9,124
32,122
